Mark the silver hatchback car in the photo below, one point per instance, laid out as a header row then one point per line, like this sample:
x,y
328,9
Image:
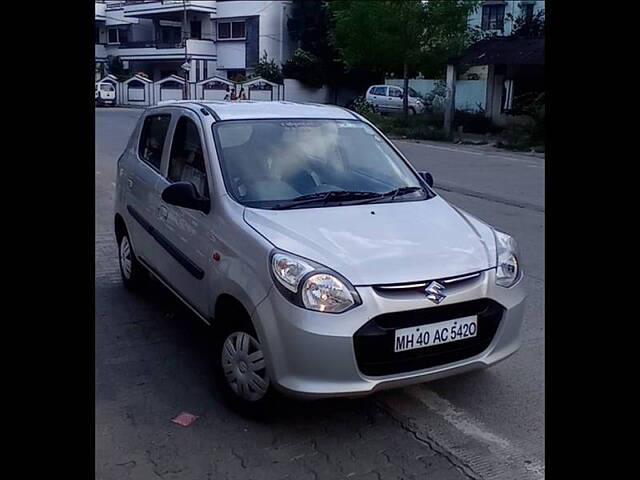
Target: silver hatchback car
x,y
325,263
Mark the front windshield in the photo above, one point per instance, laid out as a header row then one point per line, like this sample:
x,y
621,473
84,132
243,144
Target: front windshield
x,y
290,163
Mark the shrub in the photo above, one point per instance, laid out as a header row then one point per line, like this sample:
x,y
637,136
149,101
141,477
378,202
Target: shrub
x,y
517,138
361,106
526,137
434,100
305,67
474,122
268,69
421,127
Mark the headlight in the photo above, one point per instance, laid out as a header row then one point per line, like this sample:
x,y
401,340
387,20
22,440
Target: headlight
x,y
508,270
311,285
289,270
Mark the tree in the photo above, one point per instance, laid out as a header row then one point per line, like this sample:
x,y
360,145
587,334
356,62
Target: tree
x,y
306,67
116,68
268,69
528,27
308,25
315,61
447,34
101,69
380,34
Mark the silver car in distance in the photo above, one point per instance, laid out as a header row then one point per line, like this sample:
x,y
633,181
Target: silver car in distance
x,y
325,264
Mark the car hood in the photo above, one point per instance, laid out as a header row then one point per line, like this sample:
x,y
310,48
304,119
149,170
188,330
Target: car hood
x,y
382,243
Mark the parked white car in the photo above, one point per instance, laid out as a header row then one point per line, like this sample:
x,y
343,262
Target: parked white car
x,y
105,94
388,99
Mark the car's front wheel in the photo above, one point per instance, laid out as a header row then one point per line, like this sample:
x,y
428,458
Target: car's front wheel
x,y
239,362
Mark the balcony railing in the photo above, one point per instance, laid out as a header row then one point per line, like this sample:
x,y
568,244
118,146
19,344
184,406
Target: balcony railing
x,y
163,2
144,48
152,44
150,8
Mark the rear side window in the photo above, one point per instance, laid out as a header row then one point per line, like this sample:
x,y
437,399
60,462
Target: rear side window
x,y
186,162
379,91
152,138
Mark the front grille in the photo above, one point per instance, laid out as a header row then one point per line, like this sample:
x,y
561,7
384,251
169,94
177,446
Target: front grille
x,y
416,290
373,342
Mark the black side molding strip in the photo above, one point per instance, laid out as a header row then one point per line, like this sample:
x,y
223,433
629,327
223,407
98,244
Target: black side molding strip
x,y
174,290
182,259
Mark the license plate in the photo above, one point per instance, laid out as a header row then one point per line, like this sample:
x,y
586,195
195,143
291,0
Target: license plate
x,y
435,334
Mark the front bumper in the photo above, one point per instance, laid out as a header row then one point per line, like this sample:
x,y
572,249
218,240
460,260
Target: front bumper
x,y
312,354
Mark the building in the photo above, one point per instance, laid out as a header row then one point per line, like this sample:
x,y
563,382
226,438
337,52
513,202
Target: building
x,y
514,70
222,38
498,16
512,66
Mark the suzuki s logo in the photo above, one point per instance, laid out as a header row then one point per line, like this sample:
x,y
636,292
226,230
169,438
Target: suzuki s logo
x,y
433,292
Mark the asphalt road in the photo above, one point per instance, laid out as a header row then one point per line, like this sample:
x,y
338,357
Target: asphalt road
x,y
152,364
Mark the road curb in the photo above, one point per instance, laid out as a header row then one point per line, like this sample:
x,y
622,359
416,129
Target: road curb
x,y
488,197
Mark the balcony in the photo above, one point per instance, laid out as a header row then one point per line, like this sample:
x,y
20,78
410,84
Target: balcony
x,y
100,12
150,50
167,9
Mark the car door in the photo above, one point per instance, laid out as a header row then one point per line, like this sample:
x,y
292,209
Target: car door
x,y
394,99
140,173
378,97
185,230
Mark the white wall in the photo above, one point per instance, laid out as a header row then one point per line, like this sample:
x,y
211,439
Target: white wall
x,y
469,93
210,94
274,37
262,95
231,54
294,91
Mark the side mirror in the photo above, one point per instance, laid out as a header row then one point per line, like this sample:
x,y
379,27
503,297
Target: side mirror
x,y
184,194
427,177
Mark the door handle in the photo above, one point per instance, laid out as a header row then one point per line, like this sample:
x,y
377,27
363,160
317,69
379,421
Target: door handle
x,y
130,182
163,212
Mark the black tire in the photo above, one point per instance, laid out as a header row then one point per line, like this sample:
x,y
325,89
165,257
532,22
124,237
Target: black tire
x,y
233,328
412,111
133,274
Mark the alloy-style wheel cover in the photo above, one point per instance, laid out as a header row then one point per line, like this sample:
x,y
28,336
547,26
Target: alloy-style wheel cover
x,y
125,257
243,366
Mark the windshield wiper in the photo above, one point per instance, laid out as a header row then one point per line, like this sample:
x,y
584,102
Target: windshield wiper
x,y
396,192
324,197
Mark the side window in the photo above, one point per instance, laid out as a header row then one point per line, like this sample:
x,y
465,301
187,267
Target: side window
x,y
152,138
395,92
379,91
186,162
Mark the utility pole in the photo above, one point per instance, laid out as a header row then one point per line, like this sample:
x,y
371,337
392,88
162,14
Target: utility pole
x,y
450,103
186,58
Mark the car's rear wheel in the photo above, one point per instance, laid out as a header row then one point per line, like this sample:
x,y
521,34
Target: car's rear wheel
x,y
132,272
239,363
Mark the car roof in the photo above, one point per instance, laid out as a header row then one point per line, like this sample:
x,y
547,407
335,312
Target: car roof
x,y
248,109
